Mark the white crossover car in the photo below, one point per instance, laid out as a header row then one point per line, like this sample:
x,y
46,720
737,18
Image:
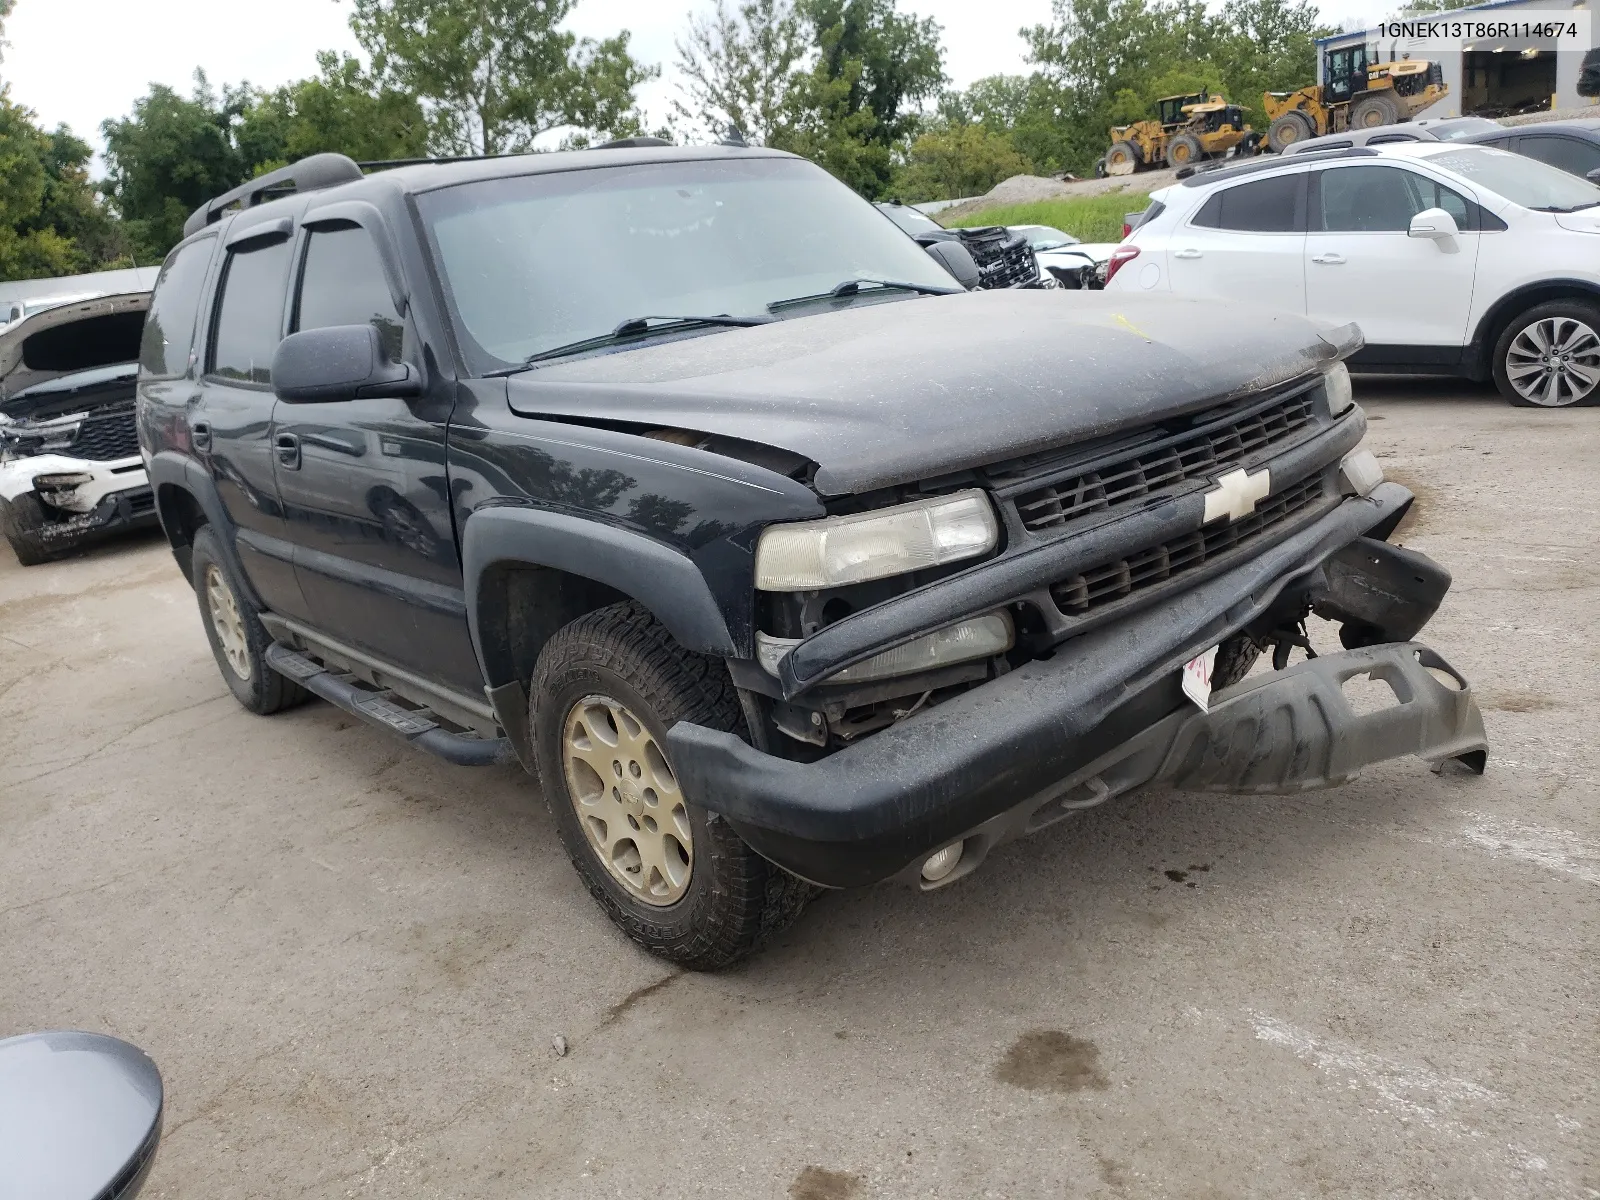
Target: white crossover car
x,y
1453,259
1072,263
70,469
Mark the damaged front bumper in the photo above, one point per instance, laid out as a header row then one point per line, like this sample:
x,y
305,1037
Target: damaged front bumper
x,y
1104,715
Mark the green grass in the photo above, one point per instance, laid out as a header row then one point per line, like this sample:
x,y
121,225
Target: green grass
x,y
1089,218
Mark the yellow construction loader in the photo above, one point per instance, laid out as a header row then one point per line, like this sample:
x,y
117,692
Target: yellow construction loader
x,y
1356,94
1185,130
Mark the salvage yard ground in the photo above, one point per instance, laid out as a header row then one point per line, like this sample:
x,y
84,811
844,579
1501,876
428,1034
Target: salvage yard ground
x,y
351,961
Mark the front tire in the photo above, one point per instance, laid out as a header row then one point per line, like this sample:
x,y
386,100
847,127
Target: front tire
x,y
21,520
1122,159
1288,129
238,639
671,875
1373,111
1183,150
1549,356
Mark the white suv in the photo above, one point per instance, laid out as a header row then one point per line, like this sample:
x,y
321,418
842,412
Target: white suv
x,y
70,468
1452,259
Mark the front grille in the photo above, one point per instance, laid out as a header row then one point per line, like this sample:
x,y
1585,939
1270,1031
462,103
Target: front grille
x,y
1195,456
1004,259
1109,582
108,436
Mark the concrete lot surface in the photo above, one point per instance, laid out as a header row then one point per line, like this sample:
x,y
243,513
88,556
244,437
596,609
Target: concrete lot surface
x,y
350,960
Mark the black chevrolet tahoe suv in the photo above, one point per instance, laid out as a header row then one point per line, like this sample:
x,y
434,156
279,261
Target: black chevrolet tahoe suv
x,y
684,479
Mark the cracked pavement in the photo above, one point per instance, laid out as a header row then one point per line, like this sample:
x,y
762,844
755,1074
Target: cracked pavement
x,y
350,961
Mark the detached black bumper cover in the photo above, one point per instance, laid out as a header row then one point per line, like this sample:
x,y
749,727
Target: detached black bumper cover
x,y
1104,715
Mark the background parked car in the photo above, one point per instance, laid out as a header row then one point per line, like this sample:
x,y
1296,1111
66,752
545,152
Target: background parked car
x,y
1004,259
1072,263
70,468
1573,146
1453,259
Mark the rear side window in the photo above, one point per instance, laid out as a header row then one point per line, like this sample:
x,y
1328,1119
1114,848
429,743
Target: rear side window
x,y
1383,200
250,313
1570,154
169,326
1262,206
342,283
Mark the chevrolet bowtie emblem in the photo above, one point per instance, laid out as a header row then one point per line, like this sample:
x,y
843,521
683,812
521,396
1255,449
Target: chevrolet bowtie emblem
x,y
1236,494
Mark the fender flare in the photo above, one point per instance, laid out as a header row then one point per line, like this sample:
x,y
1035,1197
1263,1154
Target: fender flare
x,y
1503,310
664,580
168,468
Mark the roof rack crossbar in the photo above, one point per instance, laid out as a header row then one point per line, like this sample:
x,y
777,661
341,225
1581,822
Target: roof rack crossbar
x,y
308,175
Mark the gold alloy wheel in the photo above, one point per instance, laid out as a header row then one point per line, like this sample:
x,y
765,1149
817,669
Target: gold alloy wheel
x,y
627,800
225,619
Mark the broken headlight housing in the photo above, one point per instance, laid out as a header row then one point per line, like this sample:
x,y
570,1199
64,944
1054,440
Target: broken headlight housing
x,y
1336,382
976,637
804,556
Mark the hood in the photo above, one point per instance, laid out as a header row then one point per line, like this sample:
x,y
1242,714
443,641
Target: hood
x,y
81,392
895,392
81,336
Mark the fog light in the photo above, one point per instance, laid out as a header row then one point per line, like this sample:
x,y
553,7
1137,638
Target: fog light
x,y
941,864
70,479
1360,472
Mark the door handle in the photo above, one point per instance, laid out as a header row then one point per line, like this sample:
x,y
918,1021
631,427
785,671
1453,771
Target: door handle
x,y
1328,260
1189,252
200,434
288,448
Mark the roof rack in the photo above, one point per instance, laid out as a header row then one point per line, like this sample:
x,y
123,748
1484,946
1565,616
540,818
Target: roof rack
x,y
629,143
1268,162
308,175
389,164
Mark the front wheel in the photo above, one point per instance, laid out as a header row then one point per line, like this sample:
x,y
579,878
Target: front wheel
x,y
671,875
22,520
1288,129
1549,356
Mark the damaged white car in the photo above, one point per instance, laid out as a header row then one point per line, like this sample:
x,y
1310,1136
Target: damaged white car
x,y
70,469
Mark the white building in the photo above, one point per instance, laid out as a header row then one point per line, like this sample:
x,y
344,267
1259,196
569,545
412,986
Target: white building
x,y
1485,79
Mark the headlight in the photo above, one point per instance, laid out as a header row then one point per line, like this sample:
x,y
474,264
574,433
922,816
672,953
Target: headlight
x,y
979,637
1360,472
808,555
1336,381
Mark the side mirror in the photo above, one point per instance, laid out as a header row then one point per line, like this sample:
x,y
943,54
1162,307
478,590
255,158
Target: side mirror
x,y
957,259
1433,223
342,362
80,1116
1593,176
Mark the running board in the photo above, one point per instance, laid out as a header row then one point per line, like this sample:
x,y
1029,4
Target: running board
x,y
414,726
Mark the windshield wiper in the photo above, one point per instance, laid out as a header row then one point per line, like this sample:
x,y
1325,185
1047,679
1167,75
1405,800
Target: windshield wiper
x,y
851,287
637,327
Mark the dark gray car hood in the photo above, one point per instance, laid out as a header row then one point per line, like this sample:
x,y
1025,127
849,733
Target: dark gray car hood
x,y
894,392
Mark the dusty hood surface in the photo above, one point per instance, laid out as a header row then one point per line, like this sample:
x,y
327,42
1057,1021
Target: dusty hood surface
x,y
895,392
82,336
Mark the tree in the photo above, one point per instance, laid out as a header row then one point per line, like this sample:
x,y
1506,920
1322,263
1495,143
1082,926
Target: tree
x,y
342,109
1266,46
171,156
959,160
739,68
51,221
495,74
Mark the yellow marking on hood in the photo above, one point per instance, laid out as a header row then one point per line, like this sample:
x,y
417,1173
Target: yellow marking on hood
x,y
1123,321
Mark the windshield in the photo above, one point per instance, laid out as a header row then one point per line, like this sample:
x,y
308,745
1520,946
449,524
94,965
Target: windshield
x,y
909,219
1450,131
1042,237
531,263
1524,181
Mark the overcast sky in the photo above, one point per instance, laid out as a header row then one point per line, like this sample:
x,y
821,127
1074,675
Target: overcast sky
x,y
80,61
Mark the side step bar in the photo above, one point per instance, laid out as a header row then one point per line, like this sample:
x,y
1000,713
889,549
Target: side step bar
x,y
412,725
